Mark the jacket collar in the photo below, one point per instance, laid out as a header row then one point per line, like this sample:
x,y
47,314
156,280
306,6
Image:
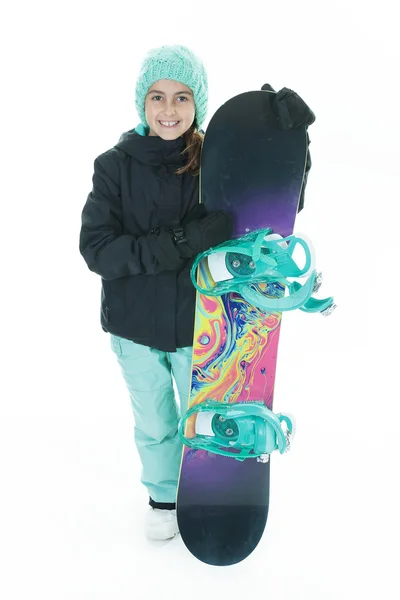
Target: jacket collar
x,y
152,150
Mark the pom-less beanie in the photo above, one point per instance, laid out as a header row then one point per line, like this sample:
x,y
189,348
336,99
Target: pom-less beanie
x,y
179,64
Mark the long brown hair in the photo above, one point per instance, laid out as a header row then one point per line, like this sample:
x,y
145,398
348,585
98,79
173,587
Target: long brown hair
x,y
193,145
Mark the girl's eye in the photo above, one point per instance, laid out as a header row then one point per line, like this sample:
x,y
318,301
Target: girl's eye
x,y
184,97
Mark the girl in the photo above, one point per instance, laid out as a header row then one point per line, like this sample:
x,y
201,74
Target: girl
x,y
142,226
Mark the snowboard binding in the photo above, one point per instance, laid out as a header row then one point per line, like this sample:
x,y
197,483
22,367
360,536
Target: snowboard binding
x,y
238,430
263,257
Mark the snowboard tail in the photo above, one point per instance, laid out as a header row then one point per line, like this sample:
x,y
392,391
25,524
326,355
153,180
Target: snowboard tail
x,y
222,533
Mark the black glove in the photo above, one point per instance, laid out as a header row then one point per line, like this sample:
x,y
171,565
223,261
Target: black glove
x,y
197,212
290,110
201,234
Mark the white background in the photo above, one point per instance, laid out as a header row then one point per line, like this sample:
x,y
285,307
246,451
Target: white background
x,y
71,505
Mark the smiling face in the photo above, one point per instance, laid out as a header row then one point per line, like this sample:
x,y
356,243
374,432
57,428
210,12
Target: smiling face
x,y
169,109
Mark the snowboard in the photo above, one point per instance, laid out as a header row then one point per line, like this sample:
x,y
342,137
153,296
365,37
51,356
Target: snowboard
x,y
254,170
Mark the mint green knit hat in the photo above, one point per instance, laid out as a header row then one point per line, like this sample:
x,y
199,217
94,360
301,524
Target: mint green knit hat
x,y
179,64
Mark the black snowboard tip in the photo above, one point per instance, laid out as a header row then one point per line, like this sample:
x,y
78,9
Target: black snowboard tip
x,y
222,535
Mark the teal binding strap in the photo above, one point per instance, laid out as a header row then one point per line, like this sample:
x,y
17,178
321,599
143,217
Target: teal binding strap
x,y
263,257
312,305
298,297
237,430
270,259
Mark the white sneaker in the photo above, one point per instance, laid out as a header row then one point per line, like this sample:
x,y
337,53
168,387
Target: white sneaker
x,y
161,524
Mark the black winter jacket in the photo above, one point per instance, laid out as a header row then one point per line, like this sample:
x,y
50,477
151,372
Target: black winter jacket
x,y
147,295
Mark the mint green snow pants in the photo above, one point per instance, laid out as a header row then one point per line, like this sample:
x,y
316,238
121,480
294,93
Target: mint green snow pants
x,y
148,375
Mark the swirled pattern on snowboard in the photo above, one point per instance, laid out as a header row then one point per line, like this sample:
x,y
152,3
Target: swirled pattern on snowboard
x,y
235,349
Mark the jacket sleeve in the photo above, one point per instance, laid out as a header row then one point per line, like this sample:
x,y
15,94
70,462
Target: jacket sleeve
x,y
308,167
106,250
